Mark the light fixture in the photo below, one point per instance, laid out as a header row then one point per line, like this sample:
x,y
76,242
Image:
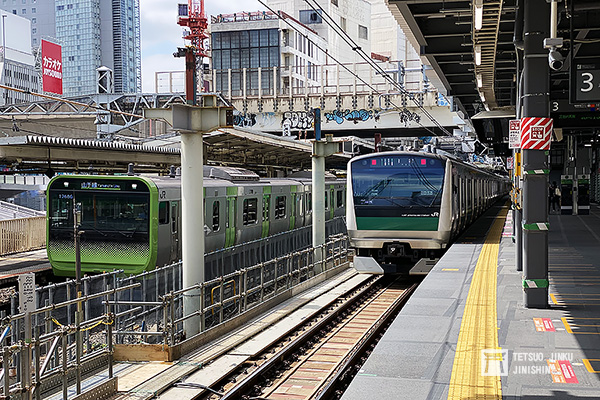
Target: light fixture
x,y
479,81
588,145
478,5
477,54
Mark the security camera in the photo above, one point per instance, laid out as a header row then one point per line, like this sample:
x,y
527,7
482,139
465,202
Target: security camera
x,y
555,59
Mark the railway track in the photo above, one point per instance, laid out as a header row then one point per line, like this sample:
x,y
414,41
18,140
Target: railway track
x,y
317,360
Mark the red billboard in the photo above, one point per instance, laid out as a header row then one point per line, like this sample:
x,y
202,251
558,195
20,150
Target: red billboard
x,y
51,67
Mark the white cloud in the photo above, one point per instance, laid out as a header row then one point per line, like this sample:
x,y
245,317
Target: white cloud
x,y
161,35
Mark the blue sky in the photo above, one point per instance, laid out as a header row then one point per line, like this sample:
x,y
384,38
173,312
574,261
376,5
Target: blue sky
x,y
161,35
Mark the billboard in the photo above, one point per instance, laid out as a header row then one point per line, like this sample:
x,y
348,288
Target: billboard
x,y
51,67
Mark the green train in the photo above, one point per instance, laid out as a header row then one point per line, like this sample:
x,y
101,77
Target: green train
x,y
134,222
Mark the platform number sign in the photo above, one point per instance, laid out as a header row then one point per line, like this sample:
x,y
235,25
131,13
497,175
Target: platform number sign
x,y
26,292
587,82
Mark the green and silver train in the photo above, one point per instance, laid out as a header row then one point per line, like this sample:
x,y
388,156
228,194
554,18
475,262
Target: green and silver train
x,y
406,206
134,222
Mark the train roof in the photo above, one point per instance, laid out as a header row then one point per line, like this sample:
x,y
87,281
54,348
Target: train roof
x,y
483,168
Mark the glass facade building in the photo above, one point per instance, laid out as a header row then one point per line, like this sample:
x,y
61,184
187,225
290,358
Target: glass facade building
x,y
249,49
92,33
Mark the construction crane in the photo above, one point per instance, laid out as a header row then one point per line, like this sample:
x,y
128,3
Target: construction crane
x,y
193,17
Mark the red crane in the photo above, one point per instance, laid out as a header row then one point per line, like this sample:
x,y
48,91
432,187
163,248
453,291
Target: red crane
x,y
196,22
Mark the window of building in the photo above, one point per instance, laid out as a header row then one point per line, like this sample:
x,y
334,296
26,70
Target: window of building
x,y
343,23
34,30
311,17
33,10
363,32
33,20
60,8
14,12
280,207
23,11
334,2
249,211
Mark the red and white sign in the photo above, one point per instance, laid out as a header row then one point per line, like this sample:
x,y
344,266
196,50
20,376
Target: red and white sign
x,y
51,67
514,134
544,325
562,371
536,133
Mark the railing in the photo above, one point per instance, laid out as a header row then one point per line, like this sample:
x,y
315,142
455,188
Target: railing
x,y
313,80
40,180
20,210
50,347
22,234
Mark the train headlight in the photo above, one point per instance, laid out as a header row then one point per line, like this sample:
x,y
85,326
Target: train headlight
x,y
134,186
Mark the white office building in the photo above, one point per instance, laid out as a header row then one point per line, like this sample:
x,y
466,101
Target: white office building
x,y
17,62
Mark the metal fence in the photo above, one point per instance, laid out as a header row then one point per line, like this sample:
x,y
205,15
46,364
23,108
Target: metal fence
x,y
72,336
22,234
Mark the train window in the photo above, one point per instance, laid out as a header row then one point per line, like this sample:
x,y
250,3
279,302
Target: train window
x,y
326,202
301,204
163,212
309,203
339,198
215,216
250,211
280,207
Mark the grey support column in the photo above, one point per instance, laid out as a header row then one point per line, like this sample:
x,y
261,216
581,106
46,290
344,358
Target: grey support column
x,y
192,122
535,184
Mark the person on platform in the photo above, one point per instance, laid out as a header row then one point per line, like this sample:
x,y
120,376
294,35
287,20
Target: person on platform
x,y
554,194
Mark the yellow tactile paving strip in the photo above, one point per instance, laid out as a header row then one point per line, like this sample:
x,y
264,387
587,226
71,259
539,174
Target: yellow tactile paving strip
x,y
479,327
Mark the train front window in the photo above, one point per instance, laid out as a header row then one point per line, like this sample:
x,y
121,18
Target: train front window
x,y
103,214
408,182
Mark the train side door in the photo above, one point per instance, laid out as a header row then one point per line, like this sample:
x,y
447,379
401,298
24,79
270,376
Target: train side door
x,y
175,242
293,211
230,224
266,209
331,203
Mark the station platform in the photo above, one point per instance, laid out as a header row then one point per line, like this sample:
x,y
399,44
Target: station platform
x,y
465,333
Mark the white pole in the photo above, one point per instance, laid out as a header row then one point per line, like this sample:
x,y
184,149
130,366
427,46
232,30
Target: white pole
x,y
318,200
192,212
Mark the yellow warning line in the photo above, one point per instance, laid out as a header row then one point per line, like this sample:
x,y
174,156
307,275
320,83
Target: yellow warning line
x,y
588,365
566,324
479,327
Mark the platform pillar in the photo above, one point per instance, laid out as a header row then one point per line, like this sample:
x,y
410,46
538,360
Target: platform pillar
x,y
321,149
192,122
536,74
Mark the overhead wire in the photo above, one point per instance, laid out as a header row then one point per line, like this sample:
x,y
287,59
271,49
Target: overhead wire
x,y
361,53
402,110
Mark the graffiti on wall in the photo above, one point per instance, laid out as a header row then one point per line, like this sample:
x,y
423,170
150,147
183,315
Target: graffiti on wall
x,y
297,120
244,120
355,116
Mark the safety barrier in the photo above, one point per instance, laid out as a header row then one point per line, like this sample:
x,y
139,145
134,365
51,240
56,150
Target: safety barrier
x,y
22,234
67,337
